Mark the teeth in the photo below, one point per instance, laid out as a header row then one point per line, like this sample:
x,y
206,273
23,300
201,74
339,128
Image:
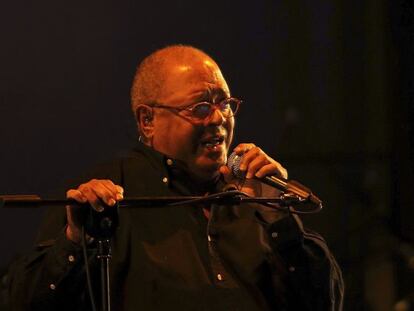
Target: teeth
x,y
213,142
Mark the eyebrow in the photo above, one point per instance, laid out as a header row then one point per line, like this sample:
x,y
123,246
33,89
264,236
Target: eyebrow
x,y
216,93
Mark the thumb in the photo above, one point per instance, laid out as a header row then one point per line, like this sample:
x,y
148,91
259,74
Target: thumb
x,y
232,182
226,173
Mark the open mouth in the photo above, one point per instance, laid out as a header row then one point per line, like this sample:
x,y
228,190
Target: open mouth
x,y
213,141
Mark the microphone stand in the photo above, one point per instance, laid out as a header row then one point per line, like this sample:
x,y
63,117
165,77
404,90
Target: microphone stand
x,y
104,255
102,225
227,197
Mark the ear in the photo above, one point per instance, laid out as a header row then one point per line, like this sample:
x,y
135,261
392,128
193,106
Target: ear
x,y
144,116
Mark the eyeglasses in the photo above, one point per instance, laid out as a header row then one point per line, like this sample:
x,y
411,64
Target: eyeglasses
x,y
198,112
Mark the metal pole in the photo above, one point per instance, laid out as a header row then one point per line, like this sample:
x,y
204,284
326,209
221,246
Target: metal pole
x,y
104,255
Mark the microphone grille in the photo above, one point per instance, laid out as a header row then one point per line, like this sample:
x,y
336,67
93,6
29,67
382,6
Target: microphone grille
x,y
233,162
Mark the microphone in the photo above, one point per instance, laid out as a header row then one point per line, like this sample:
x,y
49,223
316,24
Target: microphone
x,y
291,187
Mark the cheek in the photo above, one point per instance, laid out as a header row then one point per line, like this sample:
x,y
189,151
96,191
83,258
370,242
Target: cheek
x,y
230,128
175,139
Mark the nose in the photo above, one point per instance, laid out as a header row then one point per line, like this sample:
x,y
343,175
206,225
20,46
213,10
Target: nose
x,y
216,117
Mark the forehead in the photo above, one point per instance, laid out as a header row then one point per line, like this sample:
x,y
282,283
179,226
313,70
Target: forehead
x,y
191,80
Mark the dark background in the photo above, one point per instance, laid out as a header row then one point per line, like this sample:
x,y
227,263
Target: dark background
x,y
327,89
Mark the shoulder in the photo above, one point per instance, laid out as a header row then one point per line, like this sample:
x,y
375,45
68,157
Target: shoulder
x,y
126,165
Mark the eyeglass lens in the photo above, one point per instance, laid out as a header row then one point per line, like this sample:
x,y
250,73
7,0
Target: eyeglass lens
x,y
205,109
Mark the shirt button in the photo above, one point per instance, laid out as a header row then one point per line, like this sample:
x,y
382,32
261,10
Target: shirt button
x,y
169,162
275,235
219,277
165,180
292,269
71,258
52,286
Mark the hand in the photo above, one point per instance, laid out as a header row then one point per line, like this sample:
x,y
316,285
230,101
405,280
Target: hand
x,y
99,193
256,164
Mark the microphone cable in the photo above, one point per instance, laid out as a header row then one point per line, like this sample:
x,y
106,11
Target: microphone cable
x,y
236,197
88,274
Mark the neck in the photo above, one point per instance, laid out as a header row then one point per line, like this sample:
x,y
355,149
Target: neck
x,y
193,182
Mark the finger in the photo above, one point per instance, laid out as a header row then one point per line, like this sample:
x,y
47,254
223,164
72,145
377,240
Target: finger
x,y
249,157
76,195
283,171
104,194
256,164
119,189
120,192
232,183
271,169
116,190
96,193
243,148
91,197
113,189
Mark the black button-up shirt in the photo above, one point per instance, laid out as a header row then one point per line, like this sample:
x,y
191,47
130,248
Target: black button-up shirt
x,y
174,258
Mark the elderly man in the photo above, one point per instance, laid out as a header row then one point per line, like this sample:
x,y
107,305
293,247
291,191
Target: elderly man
x,y
210,257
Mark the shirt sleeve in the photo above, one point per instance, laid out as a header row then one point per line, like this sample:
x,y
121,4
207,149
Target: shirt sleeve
x,y
309,269
44,279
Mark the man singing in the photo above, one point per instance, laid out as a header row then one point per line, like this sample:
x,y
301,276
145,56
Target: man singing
x,y
190,257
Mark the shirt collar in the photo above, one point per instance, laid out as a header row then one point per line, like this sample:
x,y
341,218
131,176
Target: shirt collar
x,y
178,177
